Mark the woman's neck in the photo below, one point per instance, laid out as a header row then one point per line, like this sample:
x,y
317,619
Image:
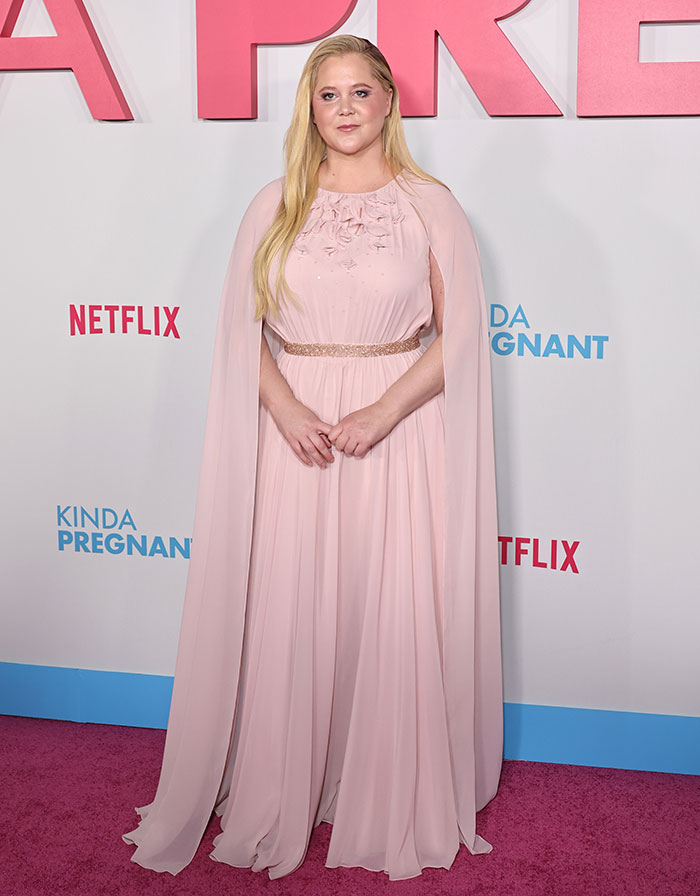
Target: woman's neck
x,y
353,175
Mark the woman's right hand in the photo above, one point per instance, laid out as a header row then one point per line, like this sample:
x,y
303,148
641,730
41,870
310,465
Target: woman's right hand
x,y
304,432
301,428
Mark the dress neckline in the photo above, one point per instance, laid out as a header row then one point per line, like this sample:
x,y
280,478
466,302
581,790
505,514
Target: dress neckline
x,y
364,193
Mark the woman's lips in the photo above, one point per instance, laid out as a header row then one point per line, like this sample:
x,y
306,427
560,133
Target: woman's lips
x,y
347,127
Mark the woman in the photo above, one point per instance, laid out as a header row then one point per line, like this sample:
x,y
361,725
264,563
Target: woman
x,y
339,656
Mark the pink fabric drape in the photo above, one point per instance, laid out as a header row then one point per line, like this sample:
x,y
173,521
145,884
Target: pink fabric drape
x,y
209,655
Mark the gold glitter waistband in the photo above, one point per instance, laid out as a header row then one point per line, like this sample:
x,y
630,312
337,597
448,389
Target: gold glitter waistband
x,y
340,349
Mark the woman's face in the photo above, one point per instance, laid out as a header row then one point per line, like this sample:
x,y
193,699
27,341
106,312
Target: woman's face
x,y
349,105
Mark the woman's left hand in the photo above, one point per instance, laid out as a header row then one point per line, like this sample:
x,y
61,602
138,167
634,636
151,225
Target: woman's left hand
x,y
357,432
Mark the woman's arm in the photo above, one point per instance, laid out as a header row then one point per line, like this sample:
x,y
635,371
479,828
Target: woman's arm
x,y
301,428
357,432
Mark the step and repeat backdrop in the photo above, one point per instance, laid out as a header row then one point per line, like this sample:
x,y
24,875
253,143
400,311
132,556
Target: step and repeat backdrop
x,y
132,138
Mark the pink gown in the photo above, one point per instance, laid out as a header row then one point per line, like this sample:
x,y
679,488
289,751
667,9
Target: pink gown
x,y
369,693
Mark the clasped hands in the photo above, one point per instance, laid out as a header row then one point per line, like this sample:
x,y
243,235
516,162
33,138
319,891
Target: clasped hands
x,y
313,440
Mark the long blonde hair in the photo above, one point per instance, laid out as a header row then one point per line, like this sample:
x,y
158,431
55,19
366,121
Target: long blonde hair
x,y
305,150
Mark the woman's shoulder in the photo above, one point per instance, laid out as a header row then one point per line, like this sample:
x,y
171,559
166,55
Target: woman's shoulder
x,y
435,199
413,181
261,209
267,196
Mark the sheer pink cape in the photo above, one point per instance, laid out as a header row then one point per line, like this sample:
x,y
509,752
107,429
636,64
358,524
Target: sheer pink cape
x,y
209,654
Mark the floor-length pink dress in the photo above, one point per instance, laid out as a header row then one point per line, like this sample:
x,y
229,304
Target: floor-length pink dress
x,y
342,711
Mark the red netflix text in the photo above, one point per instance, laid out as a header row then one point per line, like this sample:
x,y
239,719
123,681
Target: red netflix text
x,y
545,554
95,319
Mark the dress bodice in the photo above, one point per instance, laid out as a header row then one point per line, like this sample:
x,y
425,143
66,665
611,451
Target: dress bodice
x,y
360,270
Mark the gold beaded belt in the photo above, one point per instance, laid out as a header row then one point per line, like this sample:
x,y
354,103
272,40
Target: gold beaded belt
x,y
340,349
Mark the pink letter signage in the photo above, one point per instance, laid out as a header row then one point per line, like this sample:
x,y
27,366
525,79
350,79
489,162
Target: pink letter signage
x,y
612,80
76,46
228,35
407,33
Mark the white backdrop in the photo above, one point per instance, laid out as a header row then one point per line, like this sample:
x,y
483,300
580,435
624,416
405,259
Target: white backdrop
x,y
591,226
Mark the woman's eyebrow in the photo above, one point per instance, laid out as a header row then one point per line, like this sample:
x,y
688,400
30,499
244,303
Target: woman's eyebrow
x,y
354,87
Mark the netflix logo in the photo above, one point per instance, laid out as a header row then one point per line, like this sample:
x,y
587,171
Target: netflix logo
x,y
541,553
91,320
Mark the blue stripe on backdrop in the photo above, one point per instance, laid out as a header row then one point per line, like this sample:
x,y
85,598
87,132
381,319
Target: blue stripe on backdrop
x,y
85,695
602,737
557,734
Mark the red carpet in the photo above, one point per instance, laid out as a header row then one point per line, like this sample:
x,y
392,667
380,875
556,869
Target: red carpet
x,y
68,792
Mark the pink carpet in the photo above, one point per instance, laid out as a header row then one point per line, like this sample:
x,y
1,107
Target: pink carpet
x,y
68,791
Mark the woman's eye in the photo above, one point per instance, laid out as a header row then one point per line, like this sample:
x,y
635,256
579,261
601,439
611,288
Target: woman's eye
x,y
327,96
362,93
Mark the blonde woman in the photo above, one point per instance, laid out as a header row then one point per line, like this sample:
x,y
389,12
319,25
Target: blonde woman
x,y
339,657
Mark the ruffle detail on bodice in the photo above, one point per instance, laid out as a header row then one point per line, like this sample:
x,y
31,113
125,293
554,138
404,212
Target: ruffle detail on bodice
x,y
339,218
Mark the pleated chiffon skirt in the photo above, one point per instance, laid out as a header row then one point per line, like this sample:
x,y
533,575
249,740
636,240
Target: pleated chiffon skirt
x,y
341,714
